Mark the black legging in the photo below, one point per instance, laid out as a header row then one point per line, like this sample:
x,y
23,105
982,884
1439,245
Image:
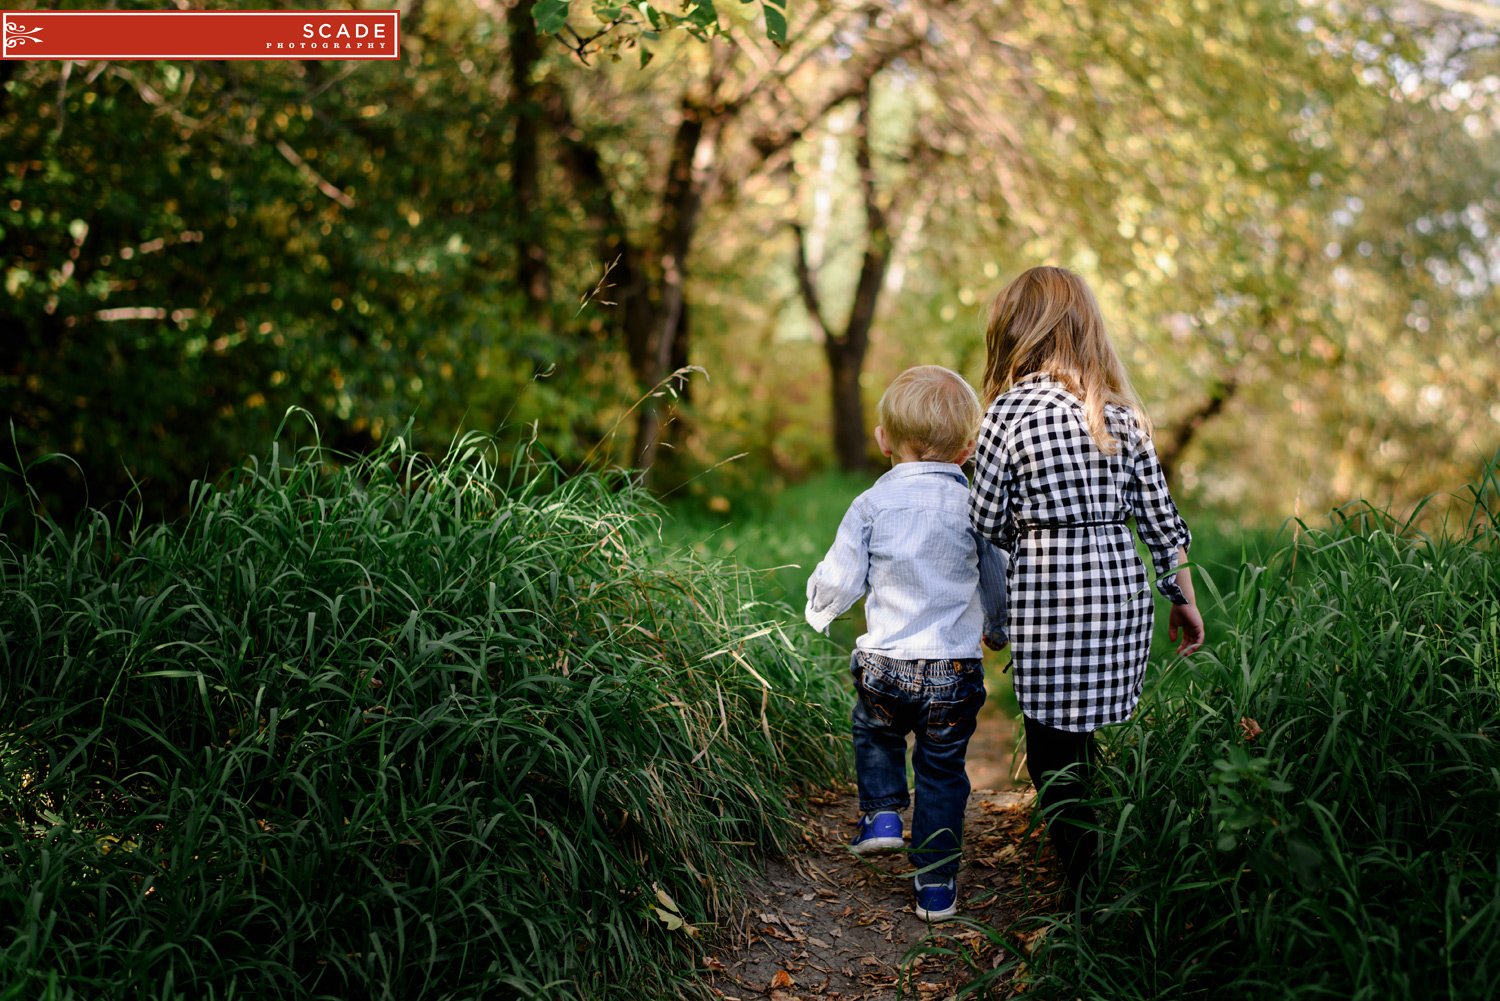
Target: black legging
x,y
1050,750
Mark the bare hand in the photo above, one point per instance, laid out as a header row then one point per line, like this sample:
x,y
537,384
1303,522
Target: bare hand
x,y
1187,619
989,641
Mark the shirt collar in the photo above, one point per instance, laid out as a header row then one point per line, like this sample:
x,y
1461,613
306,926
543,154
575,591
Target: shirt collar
x,y
902,470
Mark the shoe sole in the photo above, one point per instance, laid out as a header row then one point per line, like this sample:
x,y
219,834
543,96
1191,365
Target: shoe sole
x,y
937,915
869,845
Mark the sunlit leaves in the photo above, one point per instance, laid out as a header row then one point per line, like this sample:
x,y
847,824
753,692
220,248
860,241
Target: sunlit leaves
x,y
617,25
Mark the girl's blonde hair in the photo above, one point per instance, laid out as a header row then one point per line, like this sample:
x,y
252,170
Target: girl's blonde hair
x,y
931,412
1047,320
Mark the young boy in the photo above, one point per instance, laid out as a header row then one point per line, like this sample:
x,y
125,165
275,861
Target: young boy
x,y
935,589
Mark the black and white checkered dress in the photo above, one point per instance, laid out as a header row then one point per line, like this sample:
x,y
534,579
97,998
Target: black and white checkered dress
x,y
1080,605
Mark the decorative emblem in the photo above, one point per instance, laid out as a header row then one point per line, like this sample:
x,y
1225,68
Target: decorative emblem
x,y
17,35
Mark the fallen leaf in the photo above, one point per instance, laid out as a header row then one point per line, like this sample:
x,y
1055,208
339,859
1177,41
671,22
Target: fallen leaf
x,y
782,979
714,963
1030,940
870,961
1250,728
770,919
819,943
1005,854
784,996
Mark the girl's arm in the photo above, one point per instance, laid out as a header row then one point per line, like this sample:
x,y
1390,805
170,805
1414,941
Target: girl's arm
x,y
1185,618
1167,537
1161,528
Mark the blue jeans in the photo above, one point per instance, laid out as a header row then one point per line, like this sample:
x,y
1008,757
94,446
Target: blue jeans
x,y
938,701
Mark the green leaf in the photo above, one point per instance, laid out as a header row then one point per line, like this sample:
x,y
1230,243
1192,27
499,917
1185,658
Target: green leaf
x,y
607,11
646,56
550,16
703,14
775,11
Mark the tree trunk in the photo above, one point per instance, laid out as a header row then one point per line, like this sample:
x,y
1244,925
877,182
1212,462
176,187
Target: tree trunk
x,y
850,446
652,357
532,268
846,353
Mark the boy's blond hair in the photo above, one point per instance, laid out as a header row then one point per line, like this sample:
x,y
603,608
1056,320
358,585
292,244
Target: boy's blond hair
x,y
1048,320
931,413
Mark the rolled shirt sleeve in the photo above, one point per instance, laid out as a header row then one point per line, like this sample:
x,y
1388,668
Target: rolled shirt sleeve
x,y
842,577
1156,518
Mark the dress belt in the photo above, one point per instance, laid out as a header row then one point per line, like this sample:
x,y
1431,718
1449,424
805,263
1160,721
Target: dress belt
x,y
1047,526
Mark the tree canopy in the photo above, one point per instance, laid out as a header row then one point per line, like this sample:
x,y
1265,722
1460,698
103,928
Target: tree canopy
x,y
553,214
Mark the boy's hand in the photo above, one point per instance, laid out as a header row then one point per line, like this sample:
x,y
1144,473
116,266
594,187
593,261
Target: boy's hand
x,y
1187,619
996,642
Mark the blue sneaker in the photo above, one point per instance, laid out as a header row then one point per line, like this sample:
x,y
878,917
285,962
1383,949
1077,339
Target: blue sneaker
x,y
878,832
937,902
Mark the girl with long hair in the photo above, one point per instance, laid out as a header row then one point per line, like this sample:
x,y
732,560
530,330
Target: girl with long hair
x,y
1064,460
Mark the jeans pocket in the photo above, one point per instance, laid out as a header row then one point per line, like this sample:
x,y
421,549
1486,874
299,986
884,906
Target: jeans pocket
x,y
882,701
952,716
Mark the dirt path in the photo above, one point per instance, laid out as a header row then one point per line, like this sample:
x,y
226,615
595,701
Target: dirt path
x,y
828,924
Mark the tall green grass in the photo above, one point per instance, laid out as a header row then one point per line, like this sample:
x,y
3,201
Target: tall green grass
x,y
782,534
1352,848
386,728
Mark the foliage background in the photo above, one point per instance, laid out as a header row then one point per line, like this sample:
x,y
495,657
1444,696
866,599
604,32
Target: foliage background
x,y
1285,207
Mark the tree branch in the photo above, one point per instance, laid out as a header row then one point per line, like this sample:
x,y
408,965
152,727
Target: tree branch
x,y
767,144
323,184
1170,452
874,216
877,237
807,284
1483,11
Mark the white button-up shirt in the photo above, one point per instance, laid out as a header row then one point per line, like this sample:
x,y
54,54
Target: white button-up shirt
x,y
935,586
